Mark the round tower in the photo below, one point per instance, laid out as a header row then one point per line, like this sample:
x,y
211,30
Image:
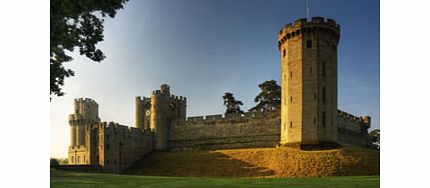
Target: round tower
x,y
366,121
142,112
86,111
159,116
72,130
309,81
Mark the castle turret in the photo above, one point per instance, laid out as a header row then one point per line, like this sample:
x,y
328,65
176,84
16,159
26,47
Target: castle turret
x,y
159,117
165,110
86,112
366,120
142,112
309,81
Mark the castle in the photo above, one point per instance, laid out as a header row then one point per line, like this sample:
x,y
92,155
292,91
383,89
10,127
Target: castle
x,y
308,116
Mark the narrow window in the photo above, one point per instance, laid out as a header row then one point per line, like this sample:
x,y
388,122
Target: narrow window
x,y
315,120
315,96
323,67
291,124
291,98
323,94
291,74
323,118
284,52
309,44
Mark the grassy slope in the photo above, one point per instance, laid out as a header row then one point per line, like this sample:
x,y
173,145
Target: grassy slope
x,y
87,180
263,162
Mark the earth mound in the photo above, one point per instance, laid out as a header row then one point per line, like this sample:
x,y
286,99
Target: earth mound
x,y
260,163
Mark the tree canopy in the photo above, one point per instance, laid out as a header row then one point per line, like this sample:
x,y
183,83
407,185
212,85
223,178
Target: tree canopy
x,y
374,137
269,98
233,105
76,24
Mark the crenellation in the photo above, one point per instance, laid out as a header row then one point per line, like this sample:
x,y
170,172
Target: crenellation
x,y
303,26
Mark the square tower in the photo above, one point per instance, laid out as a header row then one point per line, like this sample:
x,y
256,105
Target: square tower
x,y
309,81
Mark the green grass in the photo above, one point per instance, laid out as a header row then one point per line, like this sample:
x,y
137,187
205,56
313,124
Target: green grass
x,y
87,180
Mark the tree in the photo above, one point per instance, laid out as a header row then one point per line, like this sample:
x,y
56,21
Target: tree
x,y
269,98
53,162
374,137
76,24
63,161
233,105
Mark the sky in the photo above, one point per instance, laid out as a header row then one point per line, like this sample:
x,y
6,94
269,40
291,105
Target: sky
x,y
204,48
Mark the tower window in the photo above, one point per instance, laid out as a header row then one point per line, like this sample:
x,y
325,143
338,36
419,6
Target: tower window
x,y
323,67
323,119
309,44
323,94
284,53
315,120
291,98
315,96
291,124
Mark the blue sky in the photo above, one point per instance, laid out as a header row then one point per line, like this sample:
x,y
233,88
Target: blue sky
x,y
204,48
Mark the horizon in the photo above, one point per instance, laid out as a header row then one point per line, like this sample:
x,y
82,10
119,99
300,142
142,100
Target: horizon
x,y
204,49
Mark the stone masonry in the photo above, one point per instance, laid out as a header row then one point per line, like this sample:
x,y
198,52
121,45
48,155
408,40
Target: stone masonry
x,y
308,114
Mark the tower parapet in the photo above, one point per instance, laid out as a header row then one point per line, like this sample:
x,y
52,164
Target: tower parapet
x,y
303,26
142,112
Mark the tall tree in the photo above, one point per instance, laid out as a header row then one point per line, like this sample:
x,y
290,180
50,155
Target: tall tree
x,y
76,24
374,137
269,98
233,105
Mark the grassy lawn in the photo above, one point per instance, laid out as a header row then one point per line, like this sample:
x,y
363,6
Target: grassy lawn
x,y
86,180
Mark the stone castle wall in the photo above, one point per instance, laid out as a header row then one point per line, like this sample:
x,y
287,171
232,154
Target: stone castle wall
x,y
251,130
352,130
121,146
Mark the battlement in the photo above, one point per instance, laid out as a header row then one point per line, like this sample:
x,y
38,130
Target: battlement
x,y
86,100
210,119
142,99
303,26
156,92
365,120
118,127
178,98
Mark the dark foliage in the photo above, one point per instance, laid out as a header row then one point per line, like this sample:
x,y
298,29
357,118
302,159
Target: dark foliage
x,y
53,162
374,137
76,24
269,98
233,105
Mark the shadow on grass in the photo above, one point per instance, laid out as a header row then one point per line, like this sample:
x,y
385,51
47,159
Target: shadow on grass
x,y
196,164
